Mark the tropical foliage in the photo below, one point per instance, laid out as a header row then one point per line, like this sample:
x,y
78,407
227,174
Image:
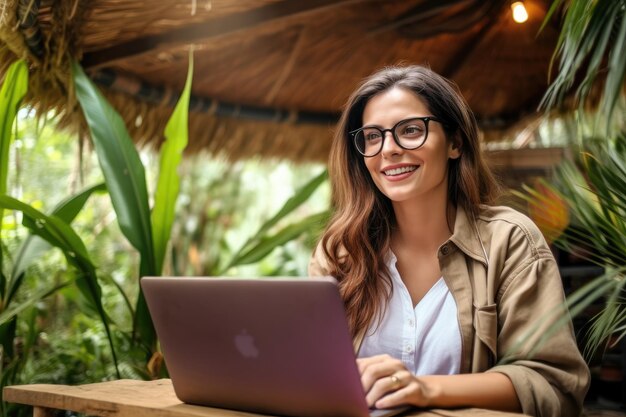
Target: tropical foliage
x,y
53,229
599,198
593,41
593,184
77,323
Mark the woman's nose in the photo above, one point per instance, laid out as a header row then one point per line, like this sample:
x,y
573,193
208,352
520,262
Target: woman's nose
x,y
390,147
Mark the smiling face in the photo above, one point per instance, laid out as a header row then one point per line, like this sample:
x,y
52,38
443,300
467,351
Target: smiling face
x,y
406,175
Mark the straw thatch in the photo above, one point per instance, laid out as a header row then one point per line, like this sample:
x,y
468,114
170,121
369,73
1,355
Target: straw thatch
x,y
271,76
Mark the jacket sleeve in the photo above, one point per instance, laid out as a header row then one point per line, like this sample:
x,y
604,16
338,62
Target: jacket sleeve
x,y
540,357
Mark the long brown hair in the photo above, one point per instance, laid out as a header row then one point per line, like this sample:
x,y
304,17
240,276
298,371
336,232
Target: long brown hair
x,y
357,239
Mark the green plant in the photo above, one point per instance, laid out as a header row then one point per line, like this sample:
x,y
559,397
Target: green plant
x,y
59,234
13,91
593,40
125,177
595,189
243,218
593,186
263,242
54,229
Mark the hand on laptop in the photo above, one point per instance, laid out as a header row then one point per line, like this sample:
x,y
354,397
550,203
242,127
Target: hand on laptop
x,y
388,383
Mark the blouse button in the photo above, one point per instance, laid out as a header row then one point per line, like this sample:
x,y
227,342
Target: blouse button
x,y
445,249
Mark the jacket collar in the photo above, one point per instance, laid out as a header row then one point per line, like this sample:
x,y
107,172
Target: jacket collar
x,y
466,236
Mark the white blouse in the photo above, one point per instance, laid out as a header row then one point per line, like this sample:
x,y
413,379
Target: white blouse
x,y
426,338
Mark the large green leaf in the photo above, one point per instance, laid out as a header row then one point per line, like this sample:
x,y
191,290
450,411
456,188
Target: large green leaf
x,y
125,178
59,234
176,135
13,91
30,251
293,203
260,240
52,229
34,246
267,244
121,166
17,308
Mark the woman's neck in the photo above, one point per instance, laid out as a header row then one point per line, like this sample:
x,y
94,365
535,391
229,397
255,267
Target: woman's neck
x,y
423,224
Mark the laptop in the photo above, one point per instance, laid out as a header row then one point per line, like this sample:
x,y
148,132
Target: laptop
x,y
278,346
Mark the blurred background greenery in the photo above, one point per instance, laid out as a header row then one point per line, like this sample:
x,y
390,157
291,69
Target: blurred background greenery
x,y
221,205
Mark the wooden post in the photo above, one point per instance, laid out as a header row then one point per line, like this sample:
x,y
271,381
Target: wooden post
x,y
43,412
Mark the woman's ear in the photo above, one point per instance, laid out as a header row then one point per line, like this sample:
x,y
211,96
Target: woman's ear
x,y
454,148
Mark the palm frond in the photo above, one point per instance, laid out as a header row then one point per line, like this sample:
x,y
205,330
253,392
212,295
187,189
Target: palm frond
x,y
594,188
592,40
612,317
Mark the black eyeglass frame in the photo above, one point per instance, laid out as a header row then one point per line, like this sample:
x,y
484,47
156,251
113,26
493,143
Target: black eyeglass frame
x,y
425,119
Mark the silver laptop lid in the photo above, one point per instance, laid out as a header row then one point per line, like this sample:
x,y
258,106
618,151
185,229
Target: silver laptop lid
x,y
270,345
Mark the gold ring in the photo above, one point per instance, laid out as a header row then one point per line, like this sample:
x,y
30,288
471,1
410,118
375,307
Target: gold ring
x,y
395,381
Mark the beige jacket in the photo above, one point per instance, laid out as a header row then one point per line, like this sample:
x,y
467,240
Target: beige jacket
x,y
506,284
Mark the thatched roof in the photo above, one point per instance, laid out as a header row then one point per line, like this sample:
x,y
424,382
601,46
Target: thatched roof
x,y
271,76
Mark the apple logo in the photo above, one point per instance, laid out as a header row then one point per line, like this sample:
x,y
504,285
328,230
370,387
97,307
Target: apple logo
x,y
244,342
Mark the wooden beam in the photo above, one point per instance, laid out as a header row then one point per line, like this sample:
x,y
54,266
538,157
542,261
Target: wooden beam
x,y
202,31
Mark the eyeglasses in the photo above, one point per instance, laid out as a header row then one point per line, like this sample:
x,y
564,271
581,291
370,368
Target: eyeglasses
x,y
409,134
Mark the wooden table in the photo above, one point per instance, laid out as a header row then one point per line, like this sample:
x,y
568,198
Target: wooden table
x,y
132,398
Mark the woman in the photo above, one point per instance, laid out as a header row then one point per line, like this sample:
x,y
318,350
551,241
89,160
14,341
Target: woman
x,y
439,287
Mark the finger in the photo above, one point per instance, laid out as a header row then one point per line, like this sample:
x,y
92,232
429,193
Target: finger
x,y
379,362
393,399
410,393
385,385
378,371
363,363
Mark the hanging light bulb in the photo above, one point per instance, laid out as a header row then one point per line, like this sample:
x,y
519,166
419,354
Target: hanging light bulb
x,y
520,15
